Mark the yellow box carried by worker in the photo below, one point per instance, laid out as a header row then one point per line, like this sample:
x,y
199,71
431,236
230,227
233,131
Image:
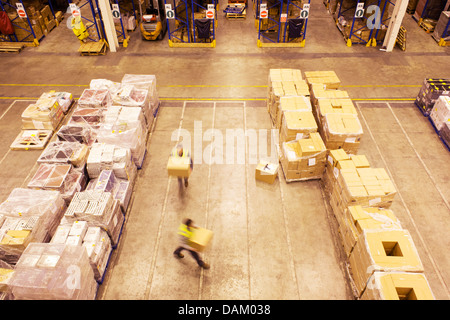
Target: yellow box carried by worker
x,y
179,166
200,238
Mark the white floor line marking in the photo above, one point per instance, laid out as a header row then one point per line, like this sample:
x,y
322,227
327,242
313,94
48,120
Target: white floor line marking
x,y
246,204
161,222
420,158
406,207
200,285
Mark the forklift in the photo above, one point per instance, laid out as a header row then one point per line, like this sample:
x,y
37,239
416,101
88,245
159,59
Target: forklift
x,y
153,24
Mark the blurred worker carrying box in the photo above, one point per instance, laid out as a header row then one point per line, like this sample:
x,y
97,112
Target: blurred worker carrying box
x,y
179,166
200,238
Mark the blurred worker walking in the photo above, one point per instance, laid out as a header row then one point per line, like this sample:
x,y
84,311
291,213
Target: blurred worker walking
x,y
185,232
179,151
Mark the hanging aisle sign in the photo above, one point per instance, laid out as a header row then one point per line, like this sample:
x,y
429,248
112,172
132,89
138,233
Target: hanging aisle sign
x,y
115,11
304,14
210,13
75,10
359,12
263,12
170,14
21,10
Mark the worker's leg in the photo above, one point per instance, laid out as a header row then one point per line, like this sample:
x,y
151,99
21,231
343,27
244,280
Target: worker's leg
x,y
178,253
180,182
186,183
197,258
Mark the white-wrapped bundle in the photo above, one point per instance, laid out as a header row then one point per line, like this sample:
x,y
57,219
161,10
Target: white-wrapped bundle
x,y
51,271
30,216
146,82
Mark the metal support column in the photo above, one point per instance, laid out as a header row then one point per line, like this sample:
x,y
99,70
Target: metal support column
x,y
395,24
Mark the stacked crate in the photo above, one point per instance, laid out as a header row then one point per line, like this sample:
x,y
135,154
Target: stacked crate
x,y
431,90
337,119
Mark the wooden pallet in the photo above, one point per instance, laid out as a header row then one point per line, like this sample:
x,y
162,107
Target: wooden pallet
x,y
235,16
92,48
14,47
401,38
429,28
31,140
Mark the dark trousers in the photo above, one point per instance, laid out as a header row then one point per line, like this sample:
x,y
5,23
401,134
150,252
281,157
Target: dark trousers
x,y
194,254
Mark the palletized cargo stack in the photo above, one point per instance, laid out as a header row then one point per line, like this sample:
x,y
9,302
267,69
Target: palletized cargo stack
x,y
440,117
337,119
381,253
431,90
78,197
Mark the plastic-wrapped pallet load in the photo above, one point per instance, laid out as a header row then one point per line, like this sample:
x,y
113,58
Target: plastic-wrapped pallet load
x,y
61,177
94,239
129,96
441,31
103,156
65,152
440,113
76,133
29,216
144,82
431,90
380,250
444,133
108,182
6,273
340,130
397,286
303,159
64,99
46,114
284,82
111,86
356,219
99,209
319,91
93,98
51,271
89,117
297,125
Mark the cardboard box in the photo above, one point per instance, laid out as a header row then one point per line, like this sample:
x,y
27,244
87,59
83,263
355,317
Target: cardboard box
x,y
179,167
266,172
200,238
5,276
292,103
328,78
297,125
397,286
379,250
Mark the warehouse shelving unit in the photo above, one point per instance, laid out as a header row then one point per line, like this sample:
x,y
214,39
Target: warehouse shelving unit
x,y
184,20
273,26
442,37
30,35
357,30
122,35
92,24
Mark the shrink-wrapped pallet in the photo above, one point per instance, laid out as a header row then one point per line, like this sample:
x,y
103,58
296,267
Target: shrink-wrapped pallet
x,y
76,133
64,152
297,125
95,98
440,113
341,130
46,114
51,271
29,216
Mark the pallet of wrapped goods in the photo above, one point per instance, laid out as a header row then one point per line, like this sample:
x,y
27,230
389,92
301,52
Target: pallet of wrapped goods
x,y
65,152
356,219
440,113
89,117
291,103
341,131
444,134
442,31
328,79
129,96
99,209
95,98
431,90
386,251
103,156
126,134
45,272
144,82
76,133
64,99
29,216
94,239
303,159
61,177
44,114
108,182
326,105
296,125
397,286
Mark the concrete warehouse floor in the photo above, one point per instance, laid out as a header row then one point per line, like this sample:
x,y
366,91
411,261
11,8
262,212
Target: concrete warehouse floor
x,y
270,241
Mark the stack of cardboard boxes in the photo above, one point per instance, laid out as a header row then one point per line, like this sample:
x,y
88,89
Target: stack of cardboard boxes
x,y
431,90
303,159
440,113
